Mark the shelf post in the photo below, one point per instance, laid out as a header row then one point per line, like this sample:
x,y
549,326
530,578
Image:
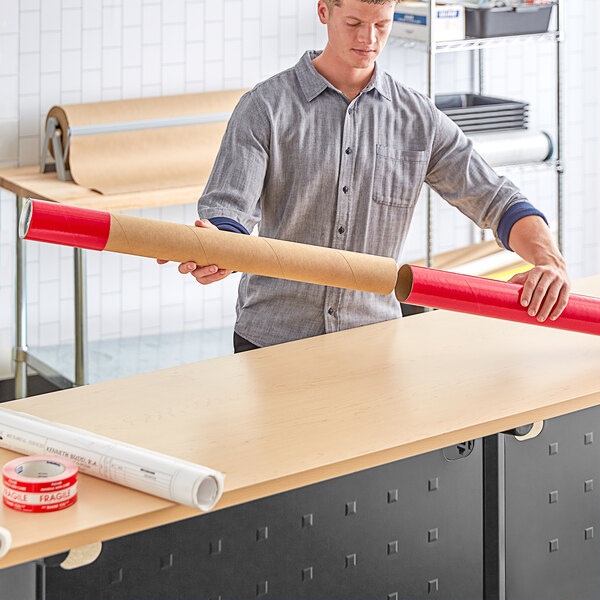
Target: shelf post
x,y
560,24
431,47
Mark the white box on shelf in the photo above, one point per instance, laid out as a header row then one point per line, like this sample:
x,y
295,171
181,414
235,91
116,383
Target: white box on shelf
x,y
410,21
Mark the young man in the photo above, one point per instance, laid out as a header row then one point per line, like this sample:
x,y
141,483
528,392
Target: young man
x,y
334,152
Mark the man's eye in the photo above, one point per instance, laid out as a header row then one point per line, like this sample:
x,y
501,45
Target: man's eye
x,y
352,24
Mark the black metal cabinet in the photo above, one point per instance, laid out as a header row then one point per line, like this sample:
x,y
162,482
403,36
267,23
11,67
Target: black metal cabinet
x,y
412,529
494,518
552,510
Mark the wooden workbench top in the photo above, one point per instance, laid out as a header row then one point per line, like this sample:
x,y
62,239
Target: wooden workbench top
x,y
29,182
286,416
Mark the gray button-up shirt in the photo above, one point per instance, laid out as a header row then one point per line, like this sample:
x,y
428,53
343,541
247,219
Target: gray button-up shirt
x,y
307,165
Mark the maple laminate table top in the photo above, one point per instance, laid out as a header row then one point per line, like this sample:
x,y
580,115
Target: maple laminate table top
x,y
29,182
282,417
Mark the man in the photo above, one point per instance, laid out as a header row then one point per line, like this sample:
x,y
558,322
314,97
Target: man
x,y
334,152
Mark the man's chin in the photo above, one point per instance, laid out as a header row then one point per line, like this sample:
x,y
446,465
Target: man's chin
x,y
360,61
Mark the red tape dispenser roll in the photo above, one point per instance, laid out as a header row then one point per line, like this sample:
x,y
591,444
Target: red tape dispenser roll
x,y
39,484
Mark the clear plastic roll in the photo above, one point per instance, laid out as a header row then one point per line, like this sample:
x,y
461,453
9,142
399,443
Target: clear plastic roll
x,y
513,147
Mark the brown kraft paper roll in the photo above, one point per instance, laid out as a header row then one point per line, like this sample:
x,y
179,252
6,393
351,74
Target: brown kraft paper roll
x,y
147,159
251,254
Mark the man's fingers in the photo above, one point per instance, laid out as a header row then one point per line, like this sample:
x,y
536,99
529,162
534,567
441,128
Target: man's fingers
x,y
205,223
203,275
550,299
563,300
518,278
187,267
160,261
542,285
531,281
211,278
199,272
545,292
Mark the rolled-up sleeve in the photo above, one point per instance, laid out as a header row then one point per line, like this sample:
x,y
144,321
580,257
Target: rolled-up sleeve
x,y
237,178
463,178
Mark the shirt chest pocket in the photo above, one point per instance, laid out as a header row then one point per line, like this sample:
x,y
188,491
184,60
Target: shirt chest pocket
x,y
398,176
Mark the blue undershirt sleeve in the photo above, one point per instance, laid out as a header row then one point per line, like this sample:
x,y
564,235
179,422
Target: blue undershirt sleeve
x,y
515,213
226,224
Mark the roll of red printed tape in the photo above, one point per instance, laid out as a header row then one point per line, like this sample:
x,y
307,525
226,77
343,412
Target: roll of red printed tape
x,y
39,483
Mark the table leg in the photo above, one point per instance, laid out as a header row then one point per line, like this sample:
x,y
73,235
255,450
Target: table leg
x,y
79,269
20,349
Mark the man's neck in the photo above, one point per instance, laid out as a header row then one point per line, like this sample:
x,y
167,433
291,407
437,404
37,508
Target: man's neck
x,y
343,77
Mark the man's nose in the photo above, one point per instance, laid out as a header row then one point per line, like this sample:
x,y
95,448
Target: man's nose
x,y
368,34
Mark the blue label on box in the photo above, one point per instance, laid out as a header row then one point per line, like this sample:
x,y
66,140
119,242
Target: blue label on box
x,y
447,14
412,19
422,20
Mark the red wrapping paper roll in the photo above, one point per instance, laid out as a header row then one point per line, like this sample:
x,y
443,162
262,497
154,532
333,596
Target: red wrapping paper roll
x,y
65,225
489,298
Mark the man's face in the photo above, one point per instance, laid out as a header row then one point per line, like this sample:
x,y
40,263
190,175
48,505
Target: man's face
x,y
357,31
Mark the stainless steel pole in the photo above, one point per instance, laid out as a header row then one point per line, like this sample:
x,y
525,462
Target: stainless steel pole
x,y
20,349
481,86
560,24
79,272
431,50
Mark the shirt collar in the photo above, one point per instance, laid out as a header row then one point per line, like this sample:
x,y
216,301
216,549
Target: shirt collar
x,y
380,82
313,83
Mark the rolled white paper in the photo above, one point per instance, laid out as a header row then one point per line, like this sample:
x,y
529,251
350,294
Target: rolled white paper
x,y
144,470
5,541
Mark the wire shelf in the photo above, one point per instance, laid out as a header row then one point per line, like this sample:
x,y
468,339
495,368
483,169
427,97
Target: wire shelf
x,y
532,166
475,43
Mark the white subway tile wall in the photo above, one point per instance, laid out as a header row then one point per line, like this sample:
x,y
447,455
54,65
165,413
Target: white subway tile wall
x,y
68,51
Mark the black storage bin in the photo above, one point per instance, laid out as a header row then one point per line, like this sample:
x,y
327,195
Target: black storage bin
x,y
476,113
507,20
468,104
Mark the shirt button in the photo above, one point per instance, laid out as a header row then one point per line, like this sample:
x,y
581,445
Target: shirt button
x,y
348,150
345,189
341,230
330,311
350,111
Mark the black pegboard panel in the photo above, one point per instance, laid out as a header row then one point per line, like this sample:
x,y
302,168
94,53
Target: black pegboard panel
x,y
553,510
407,530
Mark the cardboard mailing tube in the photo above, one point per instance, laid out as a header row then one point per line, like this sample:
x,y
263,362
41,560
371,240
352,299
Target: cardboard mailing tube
x,y
97,230
488,298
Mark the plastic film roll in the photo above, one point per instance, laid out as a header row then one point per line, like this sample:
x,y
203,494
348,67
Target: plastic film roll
x,y
183,243
513,147
144,470
489,298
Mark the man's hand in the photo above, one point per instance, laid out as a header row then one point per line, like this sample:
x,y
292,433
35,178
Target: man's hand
x,y
203,274
545,290
547,285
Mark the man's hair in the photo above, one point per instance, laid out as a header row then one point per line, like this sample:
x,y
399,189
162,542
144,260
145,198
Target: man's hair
x,y
332,3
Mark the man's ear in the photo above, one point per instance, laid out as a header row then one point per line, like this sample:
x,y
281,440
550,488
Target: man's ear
x,y
323,12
